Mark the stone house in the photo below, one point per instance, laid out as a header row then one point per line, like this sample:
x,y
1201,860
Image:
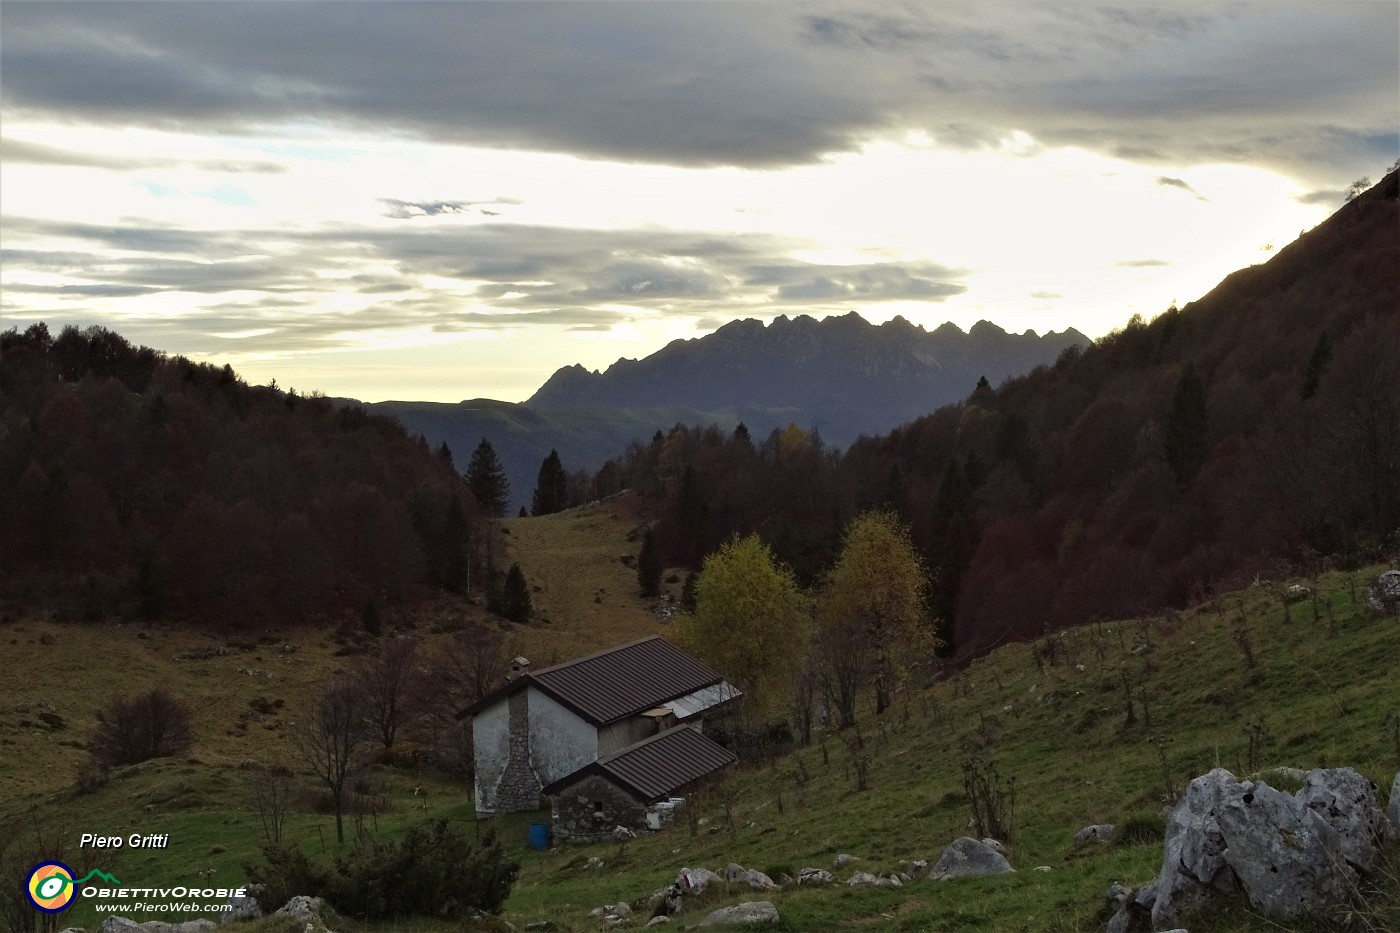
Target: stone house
x,y
546,725
635,788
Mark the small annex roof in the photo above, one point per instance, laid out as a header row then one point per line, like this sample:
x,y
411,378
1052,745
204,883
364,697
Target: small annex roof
x,y
655,768
620,682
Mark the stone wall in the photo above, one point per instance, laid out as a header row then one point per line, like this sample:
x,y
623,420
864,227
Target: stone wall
x,y
592,808
519,787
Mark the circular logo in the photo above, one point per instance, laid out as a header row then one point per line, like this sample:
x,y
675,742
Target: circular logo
x,y
50,887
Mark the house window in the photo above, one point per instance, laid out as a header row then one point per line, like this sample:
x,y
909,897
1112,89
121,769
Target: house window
x,y
598,809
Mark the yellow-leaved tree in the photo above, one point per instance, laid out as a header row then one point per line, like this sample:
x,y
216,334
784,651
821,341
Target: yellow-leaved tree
x,y
870,618
751,623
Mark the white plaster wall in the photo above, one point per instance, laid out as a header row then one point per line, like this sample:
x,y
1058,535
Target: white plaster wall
x,y
560,742
490,745
619,735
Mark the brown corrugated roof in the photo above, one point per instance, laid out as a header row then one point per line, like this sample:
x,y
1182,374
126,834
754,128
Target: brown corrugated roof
x,y
616,683
656,768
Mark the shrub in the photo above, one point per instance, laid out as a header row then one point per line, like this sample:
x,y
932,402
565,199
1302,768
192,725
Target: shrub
x,y
129,731
432,871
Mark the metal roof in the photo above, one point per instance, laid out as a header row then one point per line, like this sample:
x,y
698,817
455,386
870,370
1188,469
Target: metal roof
x,y
655,768
619,682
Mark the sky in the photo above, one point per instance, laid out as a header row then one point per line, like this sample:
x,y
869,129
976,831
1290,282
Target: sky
x,y
450,200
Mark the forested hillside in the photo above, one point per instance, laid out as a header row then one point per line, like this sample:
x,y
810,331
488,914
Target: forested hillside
x,y
147,485
1255,429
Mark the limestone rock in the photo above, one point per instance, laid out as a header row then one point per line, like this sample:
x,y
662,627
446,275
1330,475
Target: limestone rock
x,y
1098,832
750,913
622,834
1193,857
1384,595
1395,804
841,861
302,908
115,924
995,845
1347,802
239,908
892,881
916,867
1287,857
860,879
815,876
594,863
966,858
695,880
658,920
751,878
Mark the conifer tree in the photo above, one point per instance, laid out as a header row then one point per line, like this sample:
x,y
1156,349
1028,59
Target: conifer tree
x,y
552,487
487,479
515,596
649,567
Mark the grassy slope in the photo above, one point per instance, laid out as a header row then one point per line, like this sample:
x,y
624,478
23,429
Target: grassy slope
x,y
1322,689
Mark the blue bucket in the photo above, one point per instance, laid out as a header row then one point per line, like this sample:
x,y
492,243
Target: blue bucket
x,y
539,835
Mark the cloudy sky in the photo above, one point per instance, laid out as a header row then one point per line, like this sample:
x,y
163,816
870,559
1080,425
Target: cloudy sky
x,y
450,200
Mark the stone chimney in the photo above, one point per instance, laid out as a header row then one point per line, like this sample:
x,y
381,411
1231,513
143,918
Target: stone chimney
x,y
518,666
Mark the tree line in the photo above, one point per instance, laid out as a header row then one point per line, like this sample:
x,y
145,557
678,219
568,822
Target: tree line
x,y
1254,432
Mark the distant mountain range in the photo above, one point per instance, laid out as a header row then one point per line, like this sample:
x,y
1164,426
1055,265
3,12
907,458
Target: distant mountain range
x,y
842,376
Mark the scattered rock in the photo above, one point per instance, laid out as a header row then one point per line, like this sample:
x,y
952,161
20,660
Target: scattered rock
x,y
115,924
658,920
1384,595
695,880
841,861
1098,832
891,881
968,858
861,879
1042,868
916,868
751,878
302,908
594,863
815,876
1297,593
750,913
994,845
239,908
541,926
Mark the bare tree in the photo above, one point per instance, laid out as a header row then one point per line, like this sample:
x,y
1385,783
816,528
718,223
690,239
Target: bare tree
x,y
386,682
272,794
152,725
470,665
330,739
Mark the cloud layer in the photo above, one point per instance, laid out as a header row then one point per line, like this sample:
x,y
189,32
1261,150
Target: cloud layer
x,y
1301,86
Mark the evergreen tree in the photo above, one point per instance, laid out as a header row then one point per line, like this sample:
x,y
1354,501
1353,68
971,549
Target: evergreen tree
x,y
552,487
649,567
982,394
1187,433
445,455
487,479
515,602
1317,364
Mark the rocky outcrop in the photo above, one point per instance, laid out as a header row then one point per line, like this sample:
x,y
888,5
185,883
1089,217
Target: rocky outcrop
x,y
751,913
1193,860
115,924
1292,855
815,877
968,858
239,908
1394,810
1383,598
